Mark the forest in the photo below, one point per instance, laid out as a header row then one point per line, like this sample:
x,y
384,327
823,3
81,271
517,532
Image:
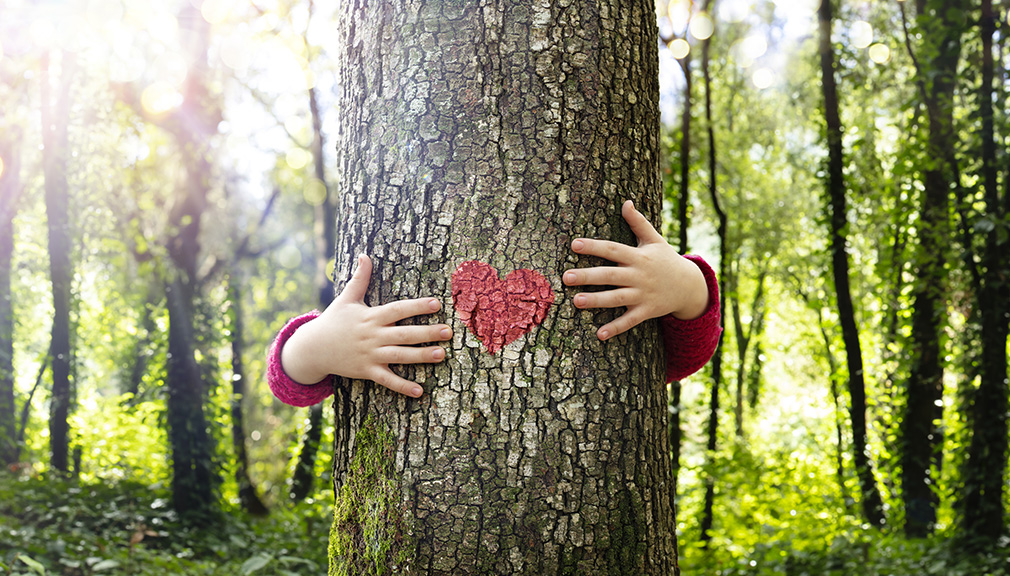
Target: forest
x,y
168,192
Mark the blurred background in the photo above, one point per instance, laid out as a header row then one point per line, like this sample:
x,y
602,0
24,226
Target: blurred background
x,y
165,194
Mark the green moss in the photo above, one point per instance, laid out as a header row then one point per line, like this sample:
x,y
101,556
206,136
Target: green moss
x,y
369,535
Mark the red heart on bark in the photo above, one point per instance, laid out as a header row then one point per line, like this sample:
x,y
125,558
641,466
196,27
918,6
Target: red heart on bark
x,y
499,311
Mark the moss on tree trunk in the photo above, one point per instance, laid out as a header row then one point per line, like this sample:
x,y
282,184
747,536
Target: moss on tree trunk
x,y
499,132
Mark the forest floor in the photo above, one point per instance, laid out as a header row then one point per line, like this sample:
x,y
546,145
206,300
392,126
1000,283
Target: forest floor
x,y
50,528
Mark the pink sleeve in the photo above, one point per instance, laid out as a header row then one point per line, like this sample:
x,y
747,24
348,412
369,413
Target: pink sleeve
x,y
284,388
691,343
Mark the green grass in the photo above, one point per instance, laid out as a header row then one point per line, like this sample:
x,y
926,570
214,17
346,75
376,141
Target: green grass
x,y
56,527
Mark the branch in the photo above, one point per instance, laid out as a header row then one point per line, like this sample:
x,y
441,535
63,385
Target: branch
x,y
28,402
242,251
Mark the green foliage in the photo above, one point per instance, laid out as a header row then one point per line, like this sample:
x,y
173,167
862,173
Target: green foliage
x,y
57,527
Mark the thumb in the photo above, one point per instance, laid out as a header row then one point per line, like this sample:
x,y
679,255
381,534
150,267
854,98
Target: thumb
x,y
640,225
358,284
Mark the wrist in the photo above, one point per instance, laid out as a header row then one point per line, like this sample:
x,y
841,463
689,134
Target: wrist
x,y
298,360
694,291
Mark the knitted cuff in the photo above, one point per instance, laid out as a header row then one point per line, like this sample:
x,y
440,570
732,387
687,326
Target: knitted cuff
x,y
284,388
691,343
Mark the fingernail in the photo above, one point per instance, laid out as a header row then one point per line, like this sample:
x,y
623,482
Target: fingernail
x,y
438,354
604,334
445,333
434,305
569,277
580,301
416,391
578,245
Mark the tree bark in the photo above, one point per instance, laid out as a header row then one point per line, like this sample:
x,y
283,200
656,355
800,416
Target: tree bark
x,y
500,132
870,494
55,120
708,512
921,430
985,470
10,192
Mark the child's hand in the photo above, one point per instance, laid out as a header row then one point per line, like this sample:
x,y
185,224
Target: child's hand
x,y
351,339
650,280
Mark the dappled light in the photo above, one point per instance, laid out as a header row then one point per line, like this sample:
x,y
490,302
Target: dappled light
x,y
179,179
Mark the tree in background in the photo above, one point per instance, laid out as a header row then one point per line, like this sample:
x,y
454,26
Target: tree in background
x,y
55,155
872,503
10,192
982,500
499,134
941,25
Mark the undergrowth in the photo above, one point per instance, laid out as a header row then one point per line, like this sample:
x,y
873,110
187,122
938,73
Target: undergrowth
x,y
56,527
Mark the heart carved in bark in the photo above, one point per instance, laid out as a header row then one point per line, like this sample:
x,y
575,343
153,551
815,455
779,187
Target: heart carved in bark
x,y
499,311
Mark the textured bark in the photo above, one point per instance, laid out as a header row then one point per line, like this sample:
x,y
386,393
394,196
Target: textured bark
x,y
921,430
10,191
985,470
870,493
498,132
55,119
708,511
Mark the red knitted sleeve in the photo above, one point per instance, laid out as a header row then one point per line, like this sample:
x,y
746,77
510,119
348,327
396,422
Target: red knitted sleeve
x,y
284,388
691,343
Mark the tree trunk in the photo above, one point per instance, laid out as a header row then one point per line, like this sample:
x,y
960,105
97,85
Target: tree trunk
x,y
193,480
247,493
921,431
10,192
743,341
708,513
870,494
303,478
55,119
985,470
499,134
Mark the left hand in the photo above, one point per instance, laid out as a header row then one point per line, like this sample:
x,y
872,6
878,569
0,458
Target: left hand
x,y
650,280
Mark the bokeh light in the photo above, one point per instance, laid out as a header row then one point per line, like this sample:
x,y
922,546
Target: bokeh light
x,y
314,192
861,34
160,97
1,167
679,13
680,48
297,158
701,26
880,53
1,51
216,11
763,78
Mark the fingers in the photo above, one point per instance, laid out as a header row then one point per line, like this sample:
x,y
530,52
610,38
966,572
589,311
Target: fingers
x,y
386,377
613,251
401,309
626,322
358,284
607,299
407,335
599,276
410,355
640,225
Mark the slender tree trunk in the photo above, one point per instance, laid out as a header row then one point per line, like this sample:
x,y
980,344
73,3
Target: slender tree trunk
x,y
922,432
683,223
499,133
303,478
193,480
743,341
55,120
985,470
870,493
10,192
708,512
247,493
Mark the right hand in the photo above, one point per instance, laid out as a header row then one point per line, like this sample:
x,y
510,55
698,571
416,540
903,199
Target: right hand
x,y
354,340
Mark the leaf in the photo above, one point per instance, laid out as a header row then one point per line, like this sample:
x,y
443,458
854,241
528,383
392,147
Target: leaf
x,y
105,565
255,563
33,564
